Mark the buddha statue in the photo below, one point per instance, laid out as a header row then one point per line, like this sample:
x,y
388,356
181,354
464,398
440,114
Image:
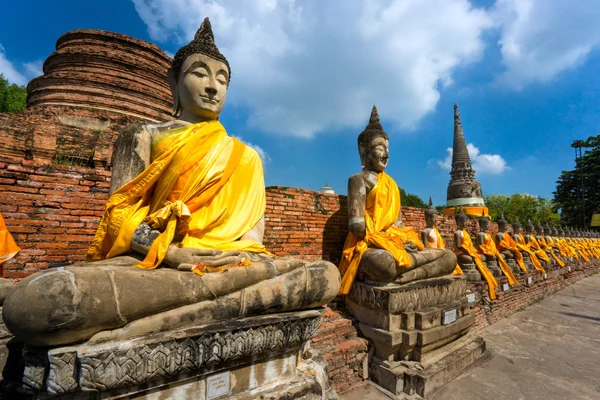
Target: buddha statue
x,y
553,245
529,257
532,243
379,248
180,243
508,248
468,256
431,236
494,260
541,241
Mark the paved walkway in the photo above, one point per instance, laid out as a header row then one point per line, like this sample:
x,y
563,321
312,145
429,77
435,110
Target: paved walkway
x,y
549,351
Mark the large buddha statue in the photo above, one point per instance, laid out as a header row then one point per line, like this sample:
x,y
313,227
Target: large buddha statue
x,y
180,242
379,247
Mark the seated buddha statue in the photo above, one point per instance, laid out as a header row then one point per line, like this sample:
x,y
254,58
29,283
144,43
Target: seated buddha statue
x,y
534,246
541,242
468,256
529,257
509,248
487,247
431,237
379,248
552,244
180,242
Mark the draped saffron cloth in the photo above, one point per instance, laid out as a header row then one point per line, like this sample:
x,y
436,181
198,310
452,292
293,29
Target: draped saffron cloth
x,y
508,244
438,243
488,247
8,247
468,248
382,207
576,246
534,260
201,184
537,249
544,245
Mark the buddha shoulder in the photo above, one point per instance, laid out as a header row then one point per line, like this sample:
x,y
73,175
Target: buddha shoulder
x,y
361,183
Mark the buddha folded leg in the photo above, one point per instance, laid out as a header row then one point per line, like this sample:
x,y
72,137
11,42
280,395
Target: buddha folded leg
x,y
380,266
74,303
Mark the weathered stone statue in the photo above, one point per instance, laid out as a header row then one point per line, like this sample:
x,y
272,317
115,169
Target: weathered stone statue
x,y
379,248
431,236
552,246
403,290
509,248
541,242
494,259
468,256
186,210
529,257
532,243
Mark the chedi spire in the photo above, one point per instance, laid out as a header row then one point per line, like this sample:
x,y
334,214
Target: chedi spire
x,y
463,189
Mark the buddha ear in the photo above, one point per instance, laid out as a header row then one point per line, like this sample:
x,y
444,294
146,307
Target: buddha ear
x,y
174,92
361,154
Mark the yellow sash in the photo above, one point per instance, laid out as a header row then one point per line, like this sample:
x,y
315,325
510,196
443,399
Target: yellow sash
x,y
382,209
211,157
537,249
534,260
545,245
489,248
467,247
8,247
509,244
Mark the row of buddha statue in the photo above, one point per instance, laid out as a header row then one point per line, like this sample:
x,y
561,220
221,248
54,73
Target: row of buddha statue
x,y
180,242
510,254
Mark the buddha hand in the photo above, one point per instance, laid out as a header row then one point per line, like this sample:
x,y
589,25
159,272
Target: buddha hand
x,y
185,259
411,247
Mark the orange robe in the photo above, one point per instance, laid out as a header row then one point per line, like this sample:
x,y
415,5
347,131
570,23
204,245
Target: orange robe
x,y
382,207
537,248
202,184
508,244
8,247
468,248
544,245
489,248
534,260
439,244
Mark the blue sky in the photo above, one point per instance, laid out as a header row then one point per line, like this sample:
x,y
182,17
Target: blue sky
x,y
305,75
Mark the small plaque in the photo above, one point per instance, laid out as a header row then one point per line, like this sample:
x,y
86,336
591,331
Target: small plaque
x,y
471,297
505,287
449,317
545,276
218,385
529,280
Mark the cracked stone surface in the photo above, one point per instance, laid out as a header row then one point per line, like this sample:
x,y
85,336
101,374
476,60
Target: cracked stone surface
x,y
549,351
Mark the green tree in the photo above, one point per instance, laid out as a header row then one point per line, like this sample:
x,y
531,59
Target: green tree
x,y
411,200
578,191
522,206
13,98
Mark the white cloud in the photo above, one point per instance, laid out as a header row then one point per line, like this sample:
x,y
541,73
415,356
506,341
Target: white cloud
x,y
264,156
22,75
541,38
310,66
492,164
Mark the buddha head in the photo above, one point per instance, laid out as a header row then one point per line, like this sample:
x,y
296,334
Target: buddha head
x,y
484,223
547,230
516,226
529,227
539,229
373,145
555,231
430,214
561,232
199,78
502,223
461,219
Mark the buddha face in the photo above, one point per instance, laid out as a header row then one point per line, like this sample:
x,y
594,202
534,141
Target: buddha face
x,y
377,155
430,218
516,228
484,223
202,86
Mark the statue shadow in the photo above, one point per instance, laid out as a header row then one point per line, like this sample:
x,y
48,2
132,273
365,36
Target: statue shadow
x,y
335,232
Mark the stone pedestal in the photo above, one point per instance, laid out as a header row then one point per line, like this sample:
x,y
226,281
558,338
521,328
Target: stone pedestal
x,y
419,332
471,272
265,356
494,268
